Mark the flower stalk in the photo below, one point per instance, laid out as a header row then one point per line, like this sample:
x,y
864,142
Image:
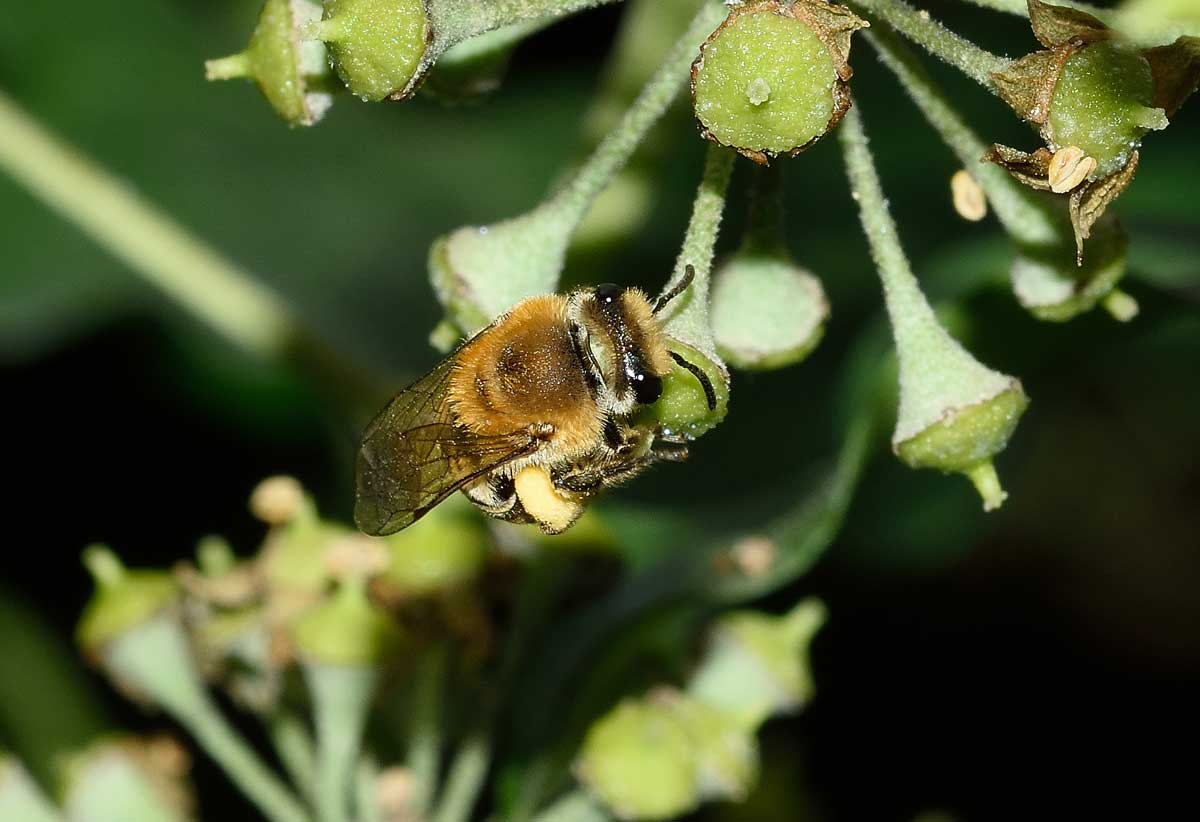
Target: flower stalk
x,y
1046,277
480,272
955,414
973,61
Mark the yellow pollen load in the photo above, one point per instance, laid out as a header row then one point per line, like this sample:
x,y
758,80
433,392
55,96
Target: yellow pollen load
x,y
542,502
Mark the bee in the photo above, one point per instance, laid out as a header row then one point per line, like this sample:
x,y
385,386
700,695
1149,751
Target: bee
x,y
531,417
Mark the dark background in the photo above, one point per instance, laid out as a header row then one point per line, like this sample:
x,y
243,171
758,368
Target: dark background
x,y
1040,661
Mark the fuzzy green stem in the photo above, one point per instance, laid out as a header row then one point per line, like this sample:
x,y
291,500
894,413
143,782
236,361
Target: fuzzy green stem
x,y
929,34
1130,18
456,20
576,806
342,700
465,780
21,800
1029,218
111,213
686,317
154,659
294,746
577,195
907,307
425,734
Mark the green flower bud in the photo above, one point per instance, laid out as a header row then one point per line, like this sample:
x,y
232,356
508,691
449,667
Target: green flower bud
x,y
1103,104
124,599
347,629
376,45
1052,287
955,413
479,272
683,407
445,549
724,751
129,780
767,311
293,557
638,760
290,72
757,665
773,78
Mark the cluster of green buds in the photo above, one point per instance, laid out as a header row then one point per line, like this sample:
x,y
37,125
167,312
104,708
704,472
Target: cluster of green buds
x,y
319,603
1093,96
661,755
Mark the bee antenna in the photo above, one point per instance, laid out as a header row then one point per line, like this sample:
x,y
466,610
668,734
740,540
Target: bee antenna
x,y
710,396
689,274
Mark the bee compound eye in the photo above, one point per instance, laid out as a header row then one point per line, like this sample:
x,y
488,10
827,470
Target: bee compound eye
x,y
607,293
647,388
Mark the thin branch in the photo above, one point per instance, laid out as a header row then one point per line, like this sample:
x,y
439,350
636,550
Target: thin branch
x,y
1029,218
687,317
109,211
929,34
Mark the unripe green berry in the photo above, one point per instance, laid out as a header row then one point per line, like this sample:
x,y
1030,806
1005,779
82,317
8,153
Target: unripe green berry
x,y
966,439
1103,104
289,71
124,599
724,752
683,407
347,630
1052,287
376,45
757,664
772,78
767,311
638,760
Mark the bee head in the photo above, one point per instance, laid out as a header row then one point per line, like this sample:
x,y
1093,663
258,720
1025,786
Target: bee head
x,y
621,345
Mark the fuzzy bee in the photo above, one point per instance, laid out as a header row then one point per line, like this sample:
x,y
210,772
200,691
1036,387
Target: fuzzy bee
x,y
531,417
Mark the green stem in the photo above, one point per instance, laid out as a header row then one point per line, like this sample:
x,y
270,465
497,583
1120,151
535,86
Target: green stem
x,y
929,34
614,151
453,21
1131,18
294,747
110,211
686,317
425,734
465,780
341,702
155,659
1029,218
907,307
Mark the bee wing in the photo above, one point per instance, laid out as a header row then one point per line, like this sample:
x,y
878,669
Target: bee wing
x,y
413,456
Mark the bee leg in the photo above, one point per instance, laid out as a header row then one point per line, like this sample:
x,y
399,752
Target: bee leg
x,y
497,497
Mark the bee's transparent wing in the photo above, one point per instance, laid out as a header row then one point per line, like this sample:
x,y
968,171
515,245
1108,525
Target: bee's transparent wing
x,y
413,456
